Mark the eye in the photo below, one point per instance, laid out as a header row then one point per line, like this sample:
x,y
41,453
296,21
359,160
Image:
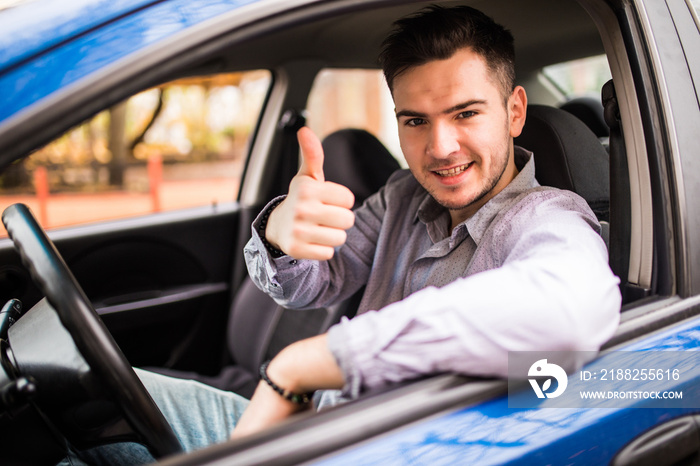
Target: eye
x,y
466,114
414,122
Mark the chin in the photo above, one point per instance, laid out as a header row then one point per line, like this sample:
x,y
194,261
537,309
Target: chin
x,y
458,199
449,202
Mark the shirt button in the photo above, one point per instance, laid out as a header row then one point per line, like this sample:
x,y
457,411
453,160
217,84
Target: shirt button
x,y
293,262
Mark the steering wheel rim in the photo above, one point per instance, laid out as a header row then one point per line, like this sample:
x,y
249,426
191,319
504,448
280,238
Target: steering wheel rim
x,y
55,281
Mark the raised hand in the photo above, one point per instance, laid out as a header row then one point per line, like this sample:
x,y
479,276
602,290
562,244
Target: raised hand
x,y
313,218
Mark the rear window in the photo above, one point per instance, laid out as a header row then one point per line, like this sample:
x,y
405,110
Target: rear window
x,y
579,78
354,98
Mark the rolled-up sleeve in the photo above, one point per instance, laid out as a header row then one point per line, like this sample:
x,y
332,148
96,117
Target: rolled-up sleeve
x,y
284,279
553,292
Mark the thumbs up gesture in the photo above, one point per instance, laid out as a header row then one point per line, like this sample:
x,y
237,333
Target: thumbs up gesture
x,y
312,220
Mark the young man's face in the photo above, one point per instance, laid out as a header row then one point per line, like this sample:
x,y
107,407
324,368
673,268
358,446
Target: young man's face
x,y
456,132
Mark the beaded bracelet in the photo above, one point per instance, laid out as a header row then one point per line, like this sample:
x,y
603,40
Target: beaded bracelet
x,y
274,252
297,398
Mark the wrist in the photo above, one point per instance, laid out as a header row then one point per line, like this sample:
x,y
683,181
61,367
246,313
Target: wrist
x,y
264,227
305,366
284,387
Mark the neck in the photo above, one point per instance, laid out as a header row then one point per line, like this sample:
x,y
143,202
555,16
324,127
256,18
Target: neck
x,y
458,216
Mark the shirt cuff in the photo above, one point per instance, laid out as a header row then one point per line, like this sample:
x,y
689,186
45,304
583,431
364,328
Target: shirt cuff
x,y
266,267
356,344
337,341
259,225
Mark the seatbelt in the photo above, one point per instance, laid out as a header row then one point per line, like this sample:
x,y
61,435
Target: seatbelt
x,y
620,203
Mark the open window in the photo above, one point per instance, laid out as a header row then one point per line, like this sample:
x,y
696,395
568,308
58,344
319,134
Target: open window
x,y
179,145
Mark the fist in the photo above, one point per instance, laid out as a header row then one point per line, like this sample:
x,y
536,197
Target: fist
x,y
313,218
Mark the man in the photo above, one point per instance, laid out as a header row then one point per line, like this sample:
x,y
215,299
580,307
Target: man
x,y
464,257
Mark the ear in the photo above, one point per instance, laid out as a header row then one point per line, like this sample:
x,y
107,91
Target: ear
x,y
517,108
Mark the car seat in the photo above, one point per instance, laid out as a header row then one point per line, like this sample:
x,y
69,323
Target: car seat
x,y
590,111
258,328
568,155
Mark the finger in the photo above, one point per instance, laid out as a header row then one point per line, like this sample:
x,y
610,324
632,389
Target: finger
x,y
336,194
311,154
326,192
325,215
312,252
319,236
337,217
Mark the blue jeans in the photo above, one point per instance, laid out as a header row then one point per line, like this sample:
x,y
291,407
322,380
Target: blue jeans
x,y
199,414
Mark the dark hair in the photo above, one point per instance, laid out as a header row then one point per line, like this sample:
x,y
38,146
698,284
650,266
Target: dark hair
x,y
436,33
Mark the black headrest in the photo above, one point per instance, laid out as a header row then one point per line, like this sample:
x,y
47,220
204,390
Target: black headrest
x,y
589,111
568,155
358,160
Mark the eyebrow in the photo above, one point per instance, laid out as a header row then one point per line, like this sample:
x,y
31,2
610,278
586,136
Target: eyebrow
x,y
462,106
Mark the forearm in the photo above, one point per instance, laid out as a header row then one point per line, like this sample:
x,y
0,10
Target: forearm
x,y
304,366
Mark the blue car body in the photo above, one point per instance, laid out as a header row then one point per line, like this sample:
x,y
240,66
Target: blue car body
x,y
494,433
48,46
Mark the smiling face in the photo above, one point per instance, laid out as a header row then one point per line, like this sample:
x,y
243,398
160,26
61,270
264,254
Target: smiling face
x,y
457,132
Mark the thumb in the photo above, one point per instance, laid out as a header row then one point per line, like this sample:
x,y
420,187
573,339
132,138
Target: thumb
x,y
311,154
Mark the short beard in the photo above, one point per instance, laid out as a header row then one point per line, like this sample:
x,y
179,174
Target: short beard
x,y
491,184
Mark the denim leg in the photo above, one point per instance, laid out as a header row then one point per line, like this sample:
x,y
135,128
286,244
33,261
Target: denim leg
x,y
199,414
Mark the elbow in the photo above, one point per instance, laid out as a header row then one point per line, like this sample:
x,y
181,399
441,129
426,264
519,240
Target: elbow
x,y
587,324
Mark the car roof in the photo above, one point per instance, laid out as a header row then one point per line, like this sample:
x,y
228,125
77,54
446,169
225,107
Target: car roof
x,y
38,26
558,31
35,26
49,51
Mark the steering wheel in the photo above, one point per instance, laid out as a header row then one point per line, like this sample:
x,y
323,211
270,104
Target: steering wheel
x,y
91,337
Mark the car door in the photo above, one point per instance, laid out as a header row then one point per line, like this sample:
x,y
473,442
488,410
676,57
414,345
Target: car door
x,y
160,274
141,204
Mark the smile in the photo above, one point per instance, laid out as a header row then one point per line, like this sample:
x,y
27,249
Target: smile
x,y
453,171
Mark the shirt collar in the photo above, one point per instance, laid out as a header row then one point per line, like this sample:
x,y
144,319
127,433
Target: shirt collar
x,y
429,211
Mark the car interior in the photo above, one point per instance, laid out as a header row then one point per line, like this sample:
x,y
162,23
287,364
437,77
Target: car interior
x,y
172,288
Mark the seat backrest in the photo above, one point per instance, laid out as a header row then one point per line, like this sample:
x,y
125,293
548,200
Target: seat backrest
x,y
590,111
568,155
357,159
257,326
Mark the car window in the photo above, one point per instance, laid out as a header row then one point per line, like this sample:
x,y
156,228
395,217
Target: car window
x,y
578,78
354,98
180,145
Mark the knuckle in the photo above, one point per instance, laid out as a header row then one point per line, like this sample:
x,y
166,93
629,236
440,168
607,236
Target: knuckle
x,y
298,231
294,251
302,212
307,190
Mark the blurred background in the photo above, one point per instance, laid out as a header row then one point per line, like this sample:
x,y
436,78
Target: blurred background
x,y
184,144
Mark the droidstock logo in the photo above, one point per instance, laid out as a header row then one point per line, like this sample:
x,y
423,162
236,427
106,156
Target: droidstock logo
x,y
542,369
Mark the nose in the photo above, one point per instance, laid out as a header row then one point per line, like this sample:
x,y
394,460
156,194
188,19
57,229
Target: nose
x,y
443,140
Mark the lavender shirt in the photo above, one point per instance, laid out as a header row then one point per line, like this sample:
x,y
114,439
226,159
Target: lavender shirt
x,y
528,272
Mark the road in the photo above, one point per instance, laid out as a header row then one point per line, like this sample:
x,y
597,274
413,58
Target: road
x,y
76,208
